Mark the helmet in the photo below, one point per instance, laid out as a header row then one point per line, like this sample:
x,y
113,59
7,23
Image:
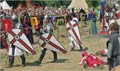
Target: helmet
x,y
84,54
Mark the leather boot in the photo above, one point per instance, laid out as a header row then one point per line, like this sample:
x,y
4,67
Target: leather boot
x,y
23,60
81,47
55,56
11,61
41,56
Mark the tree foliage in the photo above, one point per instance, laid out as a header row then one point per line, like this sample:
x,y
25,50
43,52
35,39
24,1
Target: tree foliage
x,y
93,3
53,3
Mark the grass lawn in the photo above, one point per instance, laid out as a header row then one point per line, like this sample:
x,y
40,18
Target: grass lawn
x,y
66,62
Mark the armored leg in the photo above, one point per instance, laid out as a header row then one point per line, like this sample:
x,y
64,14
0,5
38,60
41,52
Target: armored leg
x,y
23,60
42,55
11,61
54,55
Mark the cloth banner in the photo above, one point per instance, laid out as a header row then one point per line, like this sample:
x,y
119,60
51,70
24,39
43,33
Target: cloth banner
x,y
34,22
7,25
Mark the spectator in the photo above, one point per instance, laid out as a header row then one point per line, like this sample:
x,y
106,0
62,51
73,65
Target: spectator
x,y
113,46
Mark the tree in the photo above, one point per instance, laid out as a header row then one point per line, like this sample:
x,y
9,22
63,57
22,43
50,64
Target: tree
x,y
52,3
40,2
13,3
93,3
119,2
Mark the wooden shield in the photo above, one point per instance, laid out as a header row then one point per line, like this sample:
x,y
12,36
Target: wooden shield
x,y
6,25
48,41
18,38
72,28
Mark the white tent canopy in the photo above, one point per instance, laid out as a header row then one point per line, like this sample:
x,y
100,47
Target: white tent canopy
x,y
4,5
79,4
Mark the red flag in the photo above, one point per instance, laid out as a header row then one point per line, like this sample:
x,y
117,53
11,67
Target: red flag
x,y
7,25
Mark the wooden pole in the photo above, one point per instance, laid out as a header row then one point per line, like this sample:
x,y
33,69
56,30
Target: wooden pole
x,y
81,22
57,32
57,29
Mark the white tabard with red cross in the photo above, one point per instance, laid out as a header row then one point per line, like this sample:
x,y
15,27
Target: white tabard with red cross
x,y
48,41
18,38
72,28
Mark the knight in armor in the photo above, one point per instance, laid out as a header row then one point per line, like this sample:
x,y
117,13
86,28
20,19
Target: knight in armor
x,y
48,28
113,46
15,51
72,41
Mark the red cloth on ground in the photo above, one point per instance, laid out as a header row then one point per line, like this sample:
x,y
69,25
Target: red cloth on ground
x,y
91,60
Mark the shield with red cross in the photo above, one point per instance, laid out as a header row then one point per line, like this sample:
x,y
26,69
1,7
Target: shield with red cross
x,y
48,41
72,28
18,38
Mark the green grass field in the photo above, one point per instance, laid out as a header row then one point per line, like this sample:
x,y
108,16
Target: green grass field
x,y
66,62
